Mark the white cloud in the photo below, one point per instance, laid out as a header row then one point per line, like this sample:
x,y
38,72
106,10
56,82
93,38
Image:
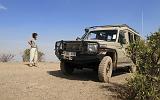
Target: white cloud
x,y
2,7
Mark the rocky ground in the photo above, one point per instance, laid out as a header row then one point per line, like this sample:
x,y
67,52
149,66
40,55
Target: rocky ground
x,y
46,82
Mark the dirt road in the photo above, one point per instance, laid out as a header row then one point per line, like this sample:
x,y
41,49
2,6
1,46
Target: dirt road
x,y
20,82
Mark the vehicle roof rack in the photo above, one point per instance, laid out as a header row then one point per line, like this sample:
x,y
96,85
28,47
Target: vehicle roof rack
x,y
118,25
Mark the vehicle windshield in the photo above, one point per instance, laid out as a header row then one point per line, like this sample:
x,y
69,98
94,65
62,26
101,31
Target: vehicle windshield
x,y
107,35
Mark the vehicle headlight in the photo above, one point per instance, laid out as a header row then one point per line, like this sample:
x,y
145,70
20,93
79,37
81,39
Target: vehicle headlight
x,y
92,47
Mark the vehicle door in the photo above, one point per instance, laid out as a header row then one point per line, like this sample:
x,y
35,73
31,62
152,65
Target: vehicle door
x,y
121,48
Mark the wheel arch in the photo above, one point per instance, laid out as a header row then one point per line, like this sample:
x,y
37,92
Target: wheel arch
x,y
113,54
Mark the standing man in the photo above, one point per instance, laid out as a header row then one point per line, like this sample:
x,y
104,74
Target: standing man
x,y
33,50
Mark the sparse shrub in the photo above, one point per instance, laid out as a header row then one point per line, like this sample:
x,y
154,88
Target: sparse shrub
x,y
145,84
6,57
26,56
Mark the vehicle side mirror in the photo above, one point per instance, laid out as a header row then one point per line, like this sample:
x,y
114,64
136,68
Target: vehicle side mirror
x,y
124,41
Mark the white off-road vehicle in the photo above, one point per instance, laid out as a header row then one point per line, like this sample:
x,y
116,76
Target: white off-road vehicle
x,y
102,48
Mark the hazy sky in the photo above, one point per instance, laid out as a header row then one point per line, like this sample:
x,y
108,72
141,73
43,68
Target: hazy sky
x,y
66,19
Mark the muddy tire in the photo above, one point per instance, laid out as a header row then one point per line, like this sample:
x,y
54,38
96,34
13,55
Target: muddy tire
x,y
132,69
66,68
105,69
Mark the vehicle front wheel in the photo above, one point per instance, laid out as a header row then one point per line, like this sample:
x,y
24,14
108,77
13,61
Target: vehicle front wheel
x,y
66,68
105,69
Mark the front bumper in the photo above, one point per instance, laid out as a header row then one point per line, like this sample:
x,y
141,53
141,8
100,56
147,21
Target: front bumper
x,y
71,50
75,57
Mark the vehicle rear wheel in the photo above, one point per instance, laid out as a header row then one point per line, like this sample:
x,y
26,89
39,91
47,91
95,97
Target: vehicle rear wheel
x,y
105,69
66,68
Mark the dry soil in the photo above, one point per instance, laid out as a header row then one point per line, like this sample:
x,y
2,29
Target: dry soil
x,y
46,82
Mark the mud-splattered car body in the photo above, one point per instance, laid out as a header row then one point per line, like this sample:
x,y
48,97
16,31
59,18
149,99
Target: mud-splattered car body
x,y
97,43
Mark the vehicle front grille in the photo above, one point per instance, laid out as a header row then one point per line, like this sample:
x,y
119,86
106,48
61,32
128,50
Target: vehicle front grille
x,y
73,46
80,47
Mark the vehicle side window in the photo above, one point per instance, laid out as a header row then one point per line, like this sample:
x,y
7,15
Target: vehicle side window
x,y
130,36
122,39
136,37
